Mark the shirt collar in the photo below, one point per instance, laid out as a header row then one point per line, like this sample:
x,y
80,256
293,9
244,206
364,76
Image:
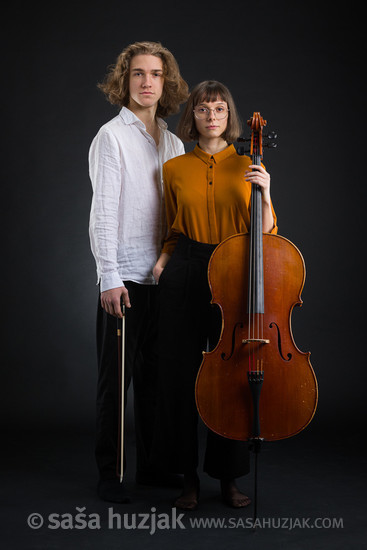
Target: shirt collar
x,y
218,157
130,118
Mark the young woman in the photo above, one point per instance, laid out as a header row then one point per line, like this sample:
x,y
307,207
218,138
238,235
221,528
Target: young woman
x,y
207,194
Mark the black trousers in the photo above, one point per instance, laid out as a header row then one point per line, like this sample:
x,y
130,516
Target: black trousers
x,y
187,321
141,366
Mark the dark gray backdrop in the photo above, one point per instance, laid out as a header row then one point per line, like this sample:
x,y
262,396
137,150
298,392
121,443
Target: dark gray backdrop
x,y
299,64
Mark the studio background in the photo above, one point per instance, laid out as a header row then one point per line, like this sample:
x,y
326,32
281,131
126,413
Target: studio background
x,y
299,64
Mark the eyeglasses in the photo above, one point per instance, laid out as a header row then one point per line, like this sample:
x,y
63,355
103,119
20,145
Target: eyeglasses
x,y
203,112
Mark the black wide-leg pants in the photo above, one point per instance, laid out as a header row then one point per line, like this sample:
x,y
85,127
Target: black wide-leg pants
x,y
187,322
141,365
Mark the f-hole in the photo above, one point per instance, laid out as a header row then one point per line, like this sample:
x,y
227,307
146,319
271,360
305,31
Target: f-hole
x,y
223,355
289,355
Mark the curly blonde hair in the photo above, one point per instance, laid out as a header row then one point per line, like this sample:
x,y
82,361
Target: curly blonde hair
x,y
116,83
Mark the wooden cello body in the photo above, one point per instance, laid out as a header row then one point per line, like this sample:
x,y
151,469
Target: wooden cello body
x,y
288,395
256,383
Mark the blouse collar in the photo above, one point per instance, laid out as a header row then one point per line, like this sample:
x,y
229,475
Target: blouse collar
x,y
218,157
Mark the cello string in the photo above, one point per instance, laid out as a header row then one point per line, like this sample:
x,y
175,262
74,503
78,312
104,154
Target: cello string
x,y
254,278
250,283
260,270
257,301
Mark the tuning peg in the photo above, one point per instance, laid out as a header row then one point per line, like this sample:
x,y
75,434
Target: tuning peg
x,y
271,135
242,150
271,145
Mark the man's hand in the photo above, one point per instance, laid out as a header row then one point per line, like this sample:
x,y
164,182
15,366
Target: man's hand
x,y
111,300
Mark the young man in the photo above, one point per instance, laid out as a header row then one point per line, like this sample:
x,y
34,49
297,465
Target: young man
x,y
126,230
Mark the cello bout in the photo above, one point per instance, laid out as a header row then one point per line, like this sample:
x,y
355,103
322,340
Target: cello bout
x,y
288,397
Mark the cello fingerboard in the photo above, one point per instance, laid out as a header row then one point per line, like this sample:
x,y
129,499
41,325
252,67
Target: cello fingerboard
x,y
256,267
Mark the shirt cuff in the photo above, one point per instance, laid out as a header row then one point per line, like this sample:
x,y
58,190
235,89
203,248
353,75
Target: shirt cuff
x,y
110,280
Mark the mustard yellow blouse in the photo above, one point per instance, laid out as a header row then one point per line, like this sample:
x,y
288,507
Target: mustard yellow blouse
x,y
207,197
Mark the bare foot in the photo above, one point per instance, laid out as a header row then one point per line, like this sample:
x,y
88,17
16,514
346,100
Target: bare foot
x,y
232,496
189,498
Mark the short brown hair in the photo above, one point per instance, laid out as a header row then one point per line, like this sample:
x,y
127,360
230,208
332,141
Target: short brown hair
x,y
116,83
209,90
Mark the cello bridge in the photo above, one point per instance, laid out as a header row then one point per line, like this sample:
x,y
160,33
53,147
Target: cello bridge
x,y
256,340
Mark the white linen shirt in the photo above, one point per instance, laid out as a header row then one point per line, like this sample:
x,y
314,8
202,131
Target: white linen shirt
x,y
127,219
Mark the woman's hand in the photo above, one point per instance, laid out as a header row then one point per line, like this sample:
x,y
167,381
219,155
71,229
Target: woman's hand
x,y
160,265
260,176
157,270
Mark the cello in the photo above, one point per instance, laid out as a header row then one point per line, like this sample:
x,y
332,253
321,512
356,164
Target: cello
x,y
256,385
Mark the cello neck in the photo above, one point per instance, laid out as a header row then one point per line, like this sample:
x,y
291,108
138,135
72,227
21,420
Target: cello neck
x,y
256,268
